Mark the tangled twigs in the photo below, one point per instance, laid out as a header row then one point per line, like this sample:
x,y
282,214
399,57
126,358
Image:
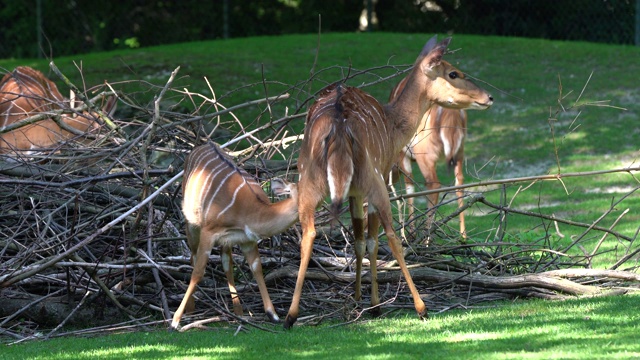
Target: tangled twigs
x,y
553,218
96,246
90,104
150,213
79,230
630,170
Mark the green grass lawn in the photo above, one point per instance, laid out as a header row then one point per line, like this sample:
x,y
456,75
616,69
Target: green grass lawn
x,y
532,81
593,328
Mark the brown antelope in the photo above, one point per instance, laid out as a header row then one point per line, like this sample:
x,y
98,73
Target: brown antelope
x,y
441,133
350,144
25,92
224,206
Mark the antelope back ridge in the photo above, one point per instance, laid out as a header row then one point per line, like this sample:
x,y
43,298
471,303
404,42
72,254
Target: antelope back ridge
x,y
25,92
225,206
350,144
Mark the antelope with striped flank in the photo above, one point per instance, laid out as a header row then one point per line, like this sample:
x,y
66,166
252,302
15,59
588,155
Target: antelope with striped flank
x,y
25,92
225,206
350,144
440,134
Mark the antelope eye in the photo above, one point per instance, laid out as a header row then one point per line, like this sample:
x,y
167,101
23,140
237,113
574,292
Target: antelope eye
x,y
453,74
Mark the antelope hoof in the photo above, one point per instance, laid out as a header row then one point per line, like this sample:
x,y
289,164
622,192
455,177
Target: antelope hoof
x,y
423,315
273,317
375,311
289,321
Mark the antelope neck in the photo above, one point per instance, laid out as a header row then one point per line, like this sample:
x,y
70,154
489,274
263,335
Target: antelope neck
x,y
404,114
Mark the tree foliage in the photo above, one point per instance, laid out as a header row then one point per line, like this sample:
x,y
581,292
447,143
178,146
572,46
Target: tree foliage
x,y
80,26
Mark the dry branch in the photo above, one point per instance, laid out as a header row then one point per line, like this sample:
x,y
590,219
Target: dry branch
x,y
88,103
100,240
490,283
534,179
553,218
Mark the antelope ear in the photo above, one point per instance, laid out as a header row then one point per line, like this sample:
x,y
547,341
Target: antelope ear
x,y
431,55
110,106
280,187
429,45
72,99
72,102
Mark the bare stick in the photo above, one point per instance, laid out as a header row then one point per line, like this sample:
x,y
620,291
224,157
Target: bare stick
x,y
84,298
604,236
629,170
274,143
235,107
85,100
50,114
17,313
553,218
26,272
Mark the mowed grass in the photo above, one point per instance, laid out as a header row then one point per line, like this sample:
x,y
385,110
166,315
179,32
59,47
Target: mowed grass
x,y
595,328
536,84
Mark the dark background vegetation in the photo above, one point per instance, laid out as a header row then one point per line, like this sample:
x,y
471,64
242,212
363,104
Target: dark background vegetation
x,y
81,26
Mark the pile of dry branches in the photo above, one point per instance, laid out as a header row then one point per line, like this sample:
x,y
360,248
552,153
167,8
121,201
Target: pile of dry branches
x,y
92,237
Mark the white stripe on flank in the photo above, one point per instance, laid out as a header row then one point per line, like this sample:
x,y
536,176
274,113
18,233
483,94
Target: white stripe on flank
x,y
212,197
251,181
233,199
202,171
6,117
213,173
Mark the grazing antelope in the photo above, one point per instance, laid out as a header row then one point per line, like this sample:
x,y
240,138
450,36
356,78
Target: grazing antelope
x,y
224,206
25,92
441,133
350,144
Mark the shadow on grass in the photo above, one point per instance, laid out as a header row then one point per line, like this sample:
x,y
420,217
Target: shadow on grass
x,y
583,328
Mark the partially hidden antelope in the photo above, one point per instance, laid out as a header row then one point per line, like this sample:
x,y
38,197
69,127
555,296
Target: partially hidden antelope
x,y
350,144
440,134
25,92
225,206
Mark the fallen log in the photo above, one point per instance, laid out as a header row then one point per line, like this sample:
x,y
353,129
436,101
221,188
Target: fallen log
x,y
440,277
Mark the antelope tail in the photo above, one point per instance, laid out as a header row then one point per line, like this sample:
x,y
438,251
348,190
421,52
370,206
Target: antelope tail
x,y
339,155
